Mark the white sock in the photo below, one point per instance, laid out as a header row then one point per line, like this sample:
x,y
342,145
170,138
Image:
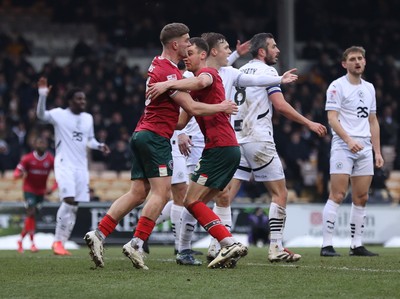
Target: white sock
x,y
188,224
225,214
329,215
277,218
176,212
357,218
66,218
165,213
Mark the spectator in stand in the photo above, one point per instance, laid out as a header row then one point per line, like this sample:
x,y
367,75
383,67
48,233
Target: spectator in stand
x,y
34,168
259,228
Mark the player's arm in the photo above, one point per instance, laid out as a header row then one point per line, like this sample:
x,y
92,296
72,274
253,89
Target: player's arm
x,y
201,109
194,83
52,188
241,49
376,139
43,90
333,119
94,144
184,118
284,108
247,80
18,172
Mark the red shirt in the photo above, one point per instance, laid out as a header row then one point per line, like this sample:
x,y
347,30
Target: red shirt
x,y
216,128
161,114
37,170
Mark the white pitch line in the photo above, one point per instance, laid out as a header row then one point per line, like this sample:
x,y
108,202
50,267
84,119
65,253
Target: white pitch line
x,y
327,268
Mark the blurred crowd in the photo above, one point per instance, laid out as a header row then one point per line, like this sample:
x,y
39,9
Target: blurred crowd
x,y
115,90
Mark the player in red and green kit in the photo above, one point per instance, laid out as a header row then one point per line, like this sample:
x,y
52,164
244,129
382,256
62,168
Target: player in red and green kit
x,y
34,168
150,143
221,155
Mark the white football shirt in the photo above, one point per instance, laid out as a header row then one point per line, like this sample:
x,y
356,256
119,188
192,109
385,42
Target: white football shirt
x,y
354,104
72,133
253,120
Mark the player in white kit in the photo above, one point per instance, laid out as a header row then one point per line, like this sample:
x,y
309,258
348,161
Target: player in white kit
x,y
191,143
73,129
254,132
351,106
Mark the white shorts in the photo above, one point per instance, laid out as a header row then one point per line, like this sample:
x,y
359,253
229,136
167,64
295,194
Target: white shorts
x,y
343,161
72,182
193,158
179,174
261,160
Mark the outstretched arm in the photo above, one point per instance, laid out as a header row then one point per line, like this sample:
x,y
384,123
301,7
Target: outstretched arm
x,y
43,90
246,80
289,112
241,49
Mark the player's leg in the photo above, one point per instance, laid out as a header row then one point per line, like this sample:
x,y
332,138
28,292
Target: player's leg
x,y
155,151
29,219
341,166
215,169
360,182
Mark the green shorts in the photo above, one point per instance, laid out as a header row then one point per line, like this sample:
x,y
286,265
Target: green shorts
x,y
216,167
151,155
32,200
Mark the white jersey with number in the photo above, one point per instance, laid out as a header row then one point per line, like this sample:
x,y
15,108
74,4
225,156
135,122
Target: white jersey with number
x,y
354,103
253,121
72,134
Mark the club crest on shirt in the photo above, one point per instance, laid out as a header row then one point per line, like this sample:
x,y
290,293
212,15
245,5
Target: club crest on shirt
x,y
360,93
172,77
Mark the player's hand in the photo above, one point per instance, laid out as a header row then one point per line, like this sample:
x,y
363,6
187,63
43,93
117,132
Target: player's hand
x,y
229,107
289,76
318,129
156,89
105,149
44,89
244,48
379,160
354,146
184,143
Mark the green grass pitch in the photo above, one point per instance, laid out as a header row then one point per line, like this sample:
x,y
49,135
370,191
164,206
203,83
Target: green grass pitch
x,y
43,275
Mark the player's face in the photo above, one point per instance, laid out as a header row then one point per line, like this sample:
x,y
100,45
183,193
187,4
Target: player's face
x,y
355,63
78,102
223,52
40,145
271,52
194,58
183,45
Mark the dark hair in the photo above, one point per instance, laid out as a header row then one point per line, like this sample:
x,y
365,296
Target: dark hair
x,y
171,31
181,65
259,41
200,43
353,49
69,95
213,39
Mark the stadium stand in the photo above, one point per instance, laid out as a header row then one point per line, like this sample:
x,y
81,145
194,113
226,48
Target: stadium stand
x,y
73,44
